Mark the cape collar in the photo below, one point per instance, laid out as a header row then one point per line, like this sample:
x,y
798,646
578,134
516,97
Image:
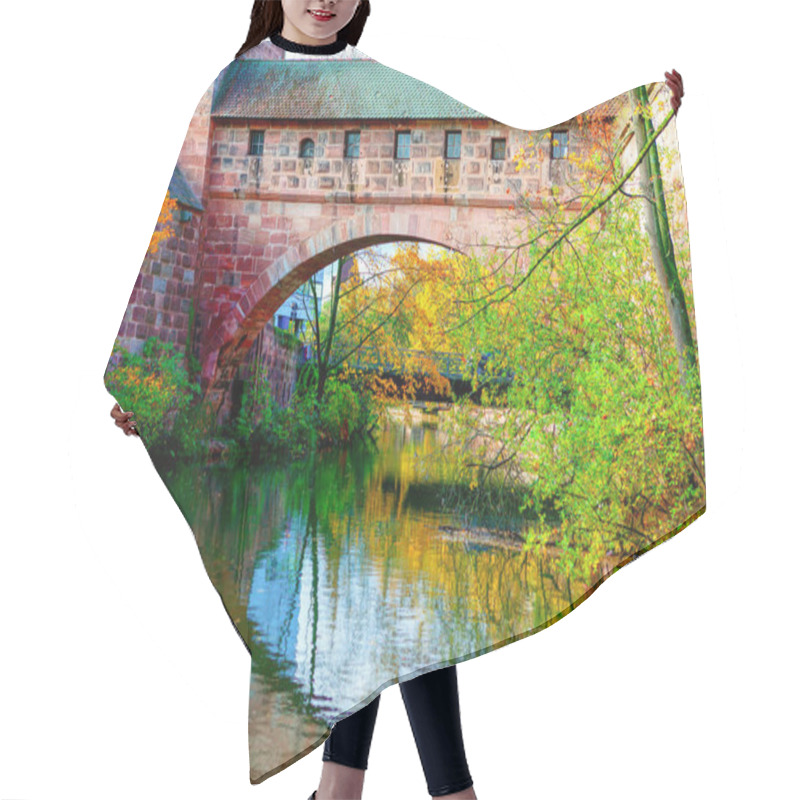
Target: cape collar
x,y
311,49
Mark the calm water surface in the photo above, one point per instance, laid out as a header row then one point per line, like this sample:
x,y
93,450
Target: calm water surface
x,y
345,571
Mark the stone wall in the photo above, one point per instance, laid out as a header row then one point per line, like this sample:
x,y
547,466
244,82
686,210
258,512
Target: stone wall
x,y
274,356
259,206
161,299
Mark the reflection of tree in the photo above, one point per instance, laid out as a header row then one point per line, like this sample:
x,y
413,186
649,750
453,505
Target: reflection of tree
x,y
600,429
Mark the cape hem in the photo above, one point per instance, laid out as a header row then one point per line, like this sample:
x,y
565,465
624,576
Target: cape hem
x,y
497,645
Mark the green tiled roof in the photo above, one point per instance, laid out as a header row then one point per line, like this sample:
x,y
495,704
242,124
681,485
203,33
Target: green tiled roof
x,y
182,192
335,89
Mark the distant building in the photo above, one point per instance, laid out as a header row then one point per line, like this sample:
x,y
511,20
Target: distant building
x,y
297,312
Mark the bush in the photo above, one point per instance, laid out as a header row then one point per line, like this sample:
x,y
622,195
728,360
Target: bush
x,y
339,412
155,385
264,431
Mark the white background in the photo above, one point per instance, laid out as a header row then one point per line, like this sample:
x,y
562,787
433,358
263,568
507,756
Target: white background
x,y
121,675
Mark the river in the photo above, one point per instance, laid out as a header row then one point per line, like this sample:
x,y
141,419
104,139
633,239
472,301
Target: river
x,y
346,570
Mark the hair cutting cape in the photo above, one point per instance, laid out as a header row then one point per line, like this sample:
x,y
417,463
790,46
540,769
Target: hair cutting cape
x,y
419,381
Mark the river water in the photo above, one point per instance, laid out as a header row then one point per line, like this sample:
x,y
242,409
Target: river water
x,y
346,570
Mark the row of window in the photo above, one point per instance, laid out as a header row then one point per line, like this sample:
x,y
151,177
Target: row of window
x,y
402,145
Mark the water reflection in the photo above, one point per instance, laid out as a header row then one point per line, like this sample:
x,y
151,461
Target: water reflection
x,y
344,572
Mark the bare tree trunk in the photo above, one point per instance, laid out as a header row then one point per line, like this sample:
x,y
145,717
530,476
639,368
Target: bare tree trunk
x,y
324,348
657,226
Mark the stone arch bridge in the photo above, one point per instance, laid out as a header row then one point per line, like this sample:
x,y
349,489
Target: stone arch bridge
x,y
257,220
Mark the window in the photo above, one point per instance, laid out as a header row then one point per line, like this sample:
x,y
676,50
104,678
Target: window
x,y
307,148
453,144
402,144
559,143
498,149
352,140
256,143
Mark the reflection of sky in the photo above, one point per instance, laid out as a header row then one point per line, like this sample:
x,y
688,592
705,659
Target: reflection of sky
x,y
349,595
269,606
339,637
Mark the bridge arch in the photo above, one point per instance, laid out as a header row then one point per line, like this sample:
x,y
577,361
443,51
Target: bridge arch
x,y
235,332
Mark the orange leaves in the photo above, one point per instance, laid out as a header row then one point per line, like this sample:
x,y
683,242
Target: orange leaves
x,y
164,226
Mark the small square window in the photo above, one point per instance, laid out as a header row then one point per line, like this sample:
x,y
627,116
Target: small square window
x,y
560,144
352,142
256,143
402,144
498,149
453,144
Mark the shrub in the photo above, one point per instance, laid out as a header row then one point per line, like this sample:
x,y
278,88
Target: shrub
x,y
156,387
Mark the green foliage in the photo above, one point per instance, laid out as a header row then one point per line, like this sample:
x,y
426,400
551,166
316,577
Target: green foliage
x,y
342,412
156,387
264,431
600,427
286,339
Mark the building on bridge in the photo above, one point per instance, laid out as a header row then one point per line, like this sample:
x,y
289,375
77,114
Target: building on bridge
x,y
333,156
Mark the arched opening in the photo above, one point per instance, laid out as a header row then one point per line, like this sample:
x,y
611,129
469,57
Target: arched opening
x,y
307,148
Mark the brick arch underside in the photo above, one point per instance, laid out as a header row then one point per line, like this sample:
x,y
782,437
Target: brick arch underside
x,y
234,334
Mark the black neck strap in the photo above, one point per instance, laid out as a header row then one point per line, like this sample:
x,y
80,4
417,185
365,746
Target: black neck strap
x,y
310,49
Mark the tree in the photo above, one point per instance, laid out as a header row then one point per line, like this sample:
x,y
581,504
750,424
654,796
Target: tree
x,y
597,432
658,230
165,226
379,311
